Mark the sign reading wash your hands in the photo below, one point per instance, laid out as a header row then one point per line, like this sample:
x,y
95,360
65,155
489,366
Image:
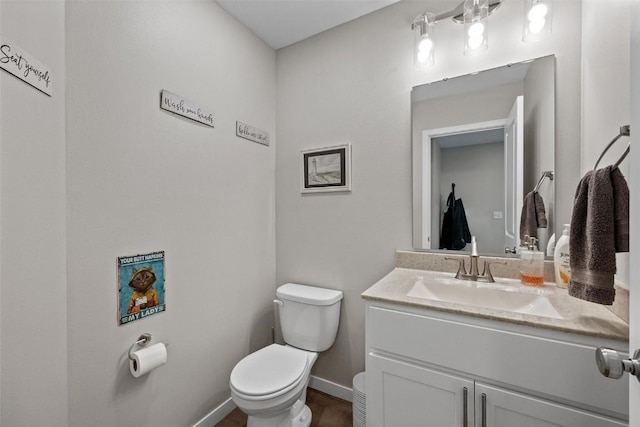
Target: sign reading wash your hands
x,y
185,108
16,61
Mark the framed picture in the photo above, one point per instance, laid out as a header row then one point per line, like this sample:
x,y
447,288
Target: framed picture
x,y
326,169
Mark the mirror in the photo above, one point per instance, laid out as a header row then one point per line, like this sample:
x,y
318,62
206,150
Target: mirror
x,y
487,139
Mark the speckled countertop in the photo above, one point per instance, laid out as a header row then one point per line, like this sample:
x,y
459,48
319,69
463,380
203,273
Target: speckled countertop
x,y
579,317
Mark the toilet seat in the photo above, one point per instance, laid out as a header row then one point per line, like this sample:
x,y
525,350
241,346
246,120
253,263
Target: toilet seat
x,y
269,372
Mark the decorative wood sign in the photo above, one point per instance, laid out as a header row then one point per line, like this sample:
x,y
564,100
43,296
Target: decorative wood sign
x,y
252,134
16,61
185,108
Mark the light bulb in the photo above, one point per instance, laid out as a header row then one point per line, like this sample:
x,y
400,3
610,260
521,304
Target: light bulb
x,y
536,26
537,12
422,57
474,42
476,30
425,46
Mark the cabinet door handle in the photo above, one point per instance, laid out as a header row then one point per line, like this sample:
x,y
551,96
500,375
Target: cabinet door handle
x,y
464,407
484,410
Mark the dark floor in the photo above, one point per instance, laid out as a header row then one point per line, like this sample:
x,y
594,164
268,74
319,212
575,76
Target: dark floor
x,y
326,410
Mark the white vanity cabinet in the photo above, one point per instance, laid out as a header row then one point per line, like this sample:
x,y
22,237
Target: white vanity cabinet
x,y
436,369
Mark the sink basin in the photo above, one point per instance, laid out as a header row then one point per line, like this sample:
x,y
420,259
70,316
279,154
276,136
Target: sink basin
x,y
505,295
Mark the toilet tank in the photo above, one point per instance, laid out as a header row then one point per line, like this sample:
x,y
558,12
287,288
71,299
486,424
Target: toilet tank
x,y
309,316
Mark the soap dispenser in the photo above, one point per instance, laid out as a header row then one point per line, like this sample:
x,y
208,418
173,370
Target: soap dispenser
x,y
561,259
531,263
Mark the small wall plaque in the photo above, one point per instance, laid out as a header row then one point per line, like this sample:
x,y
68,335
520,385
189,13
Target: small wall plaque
x,y
185,108
252,134
16,61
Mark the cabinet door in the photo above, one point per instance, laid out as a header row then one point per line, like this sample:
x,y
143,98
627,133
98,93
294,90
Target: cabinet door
x,y
501,408
401,394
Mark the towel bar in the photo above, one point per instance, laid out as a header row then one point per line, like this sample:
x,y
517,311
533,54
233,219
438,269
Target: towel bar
x,y
545,174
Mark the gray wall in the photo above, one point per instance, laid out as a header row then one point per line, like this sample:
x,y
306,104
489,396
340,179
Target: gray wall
x,y
539,118
33,306
606,76
141,179
131,178
331,90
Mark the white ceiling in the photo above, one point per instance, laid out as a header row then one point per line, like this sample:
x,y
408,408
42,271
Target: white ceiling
x,y
283,22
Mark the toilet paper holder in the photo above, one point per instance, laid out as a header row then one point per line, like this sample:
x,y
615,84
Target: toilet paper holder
x,y
142,341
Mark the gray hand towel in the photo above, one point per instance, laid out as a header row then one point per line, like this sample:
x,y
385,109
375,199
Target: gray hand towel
x,y
533,215
621,210
599,227
541,214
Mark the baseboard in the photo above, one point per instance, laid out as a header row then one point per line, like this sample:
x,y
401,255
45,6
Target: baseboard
x,y
215,416
331,388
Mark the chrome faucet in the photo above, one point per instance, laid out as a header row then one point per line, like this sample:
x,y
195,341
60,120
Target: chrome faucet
x,y
473,273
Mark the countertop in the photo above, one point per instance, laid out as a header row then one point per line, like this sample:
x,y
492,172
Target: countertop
x,y
579,317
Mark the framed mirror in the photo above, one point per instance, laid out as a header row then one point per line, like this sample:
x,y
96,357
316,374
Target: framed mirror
x,y
484,143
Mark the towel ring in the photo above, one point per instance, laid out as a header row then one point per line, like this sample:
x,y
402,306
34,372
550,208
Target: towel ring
x,y
624,131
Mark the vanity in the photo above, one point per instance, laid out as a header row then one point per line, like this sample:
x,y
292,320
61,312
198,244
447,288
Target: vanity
x,y
446,352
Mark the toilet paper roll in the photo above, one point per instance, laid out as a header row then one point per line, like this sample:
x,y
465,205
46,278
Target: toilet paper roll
x,y
145,360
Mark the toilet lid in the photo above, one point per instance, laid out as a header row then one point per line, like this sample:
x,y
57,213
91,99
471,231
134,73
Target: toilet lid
x,y
268,370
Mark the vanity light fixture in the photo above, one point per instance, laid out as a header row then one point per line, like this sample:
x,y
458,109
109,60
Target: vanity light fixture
x,y
537,19
423,40
474,14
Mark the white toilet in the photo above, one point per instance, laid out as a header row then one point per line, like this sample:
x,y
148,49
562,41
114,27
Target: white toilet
x,y
270,384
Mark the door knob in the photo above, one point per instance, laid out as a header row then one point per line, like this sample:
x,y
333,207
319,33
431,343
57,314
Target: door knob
x,y
612,365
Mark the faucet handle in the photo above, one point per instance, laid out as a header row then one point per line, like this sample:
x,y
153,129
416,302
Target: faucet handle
x,y
461,268
486,269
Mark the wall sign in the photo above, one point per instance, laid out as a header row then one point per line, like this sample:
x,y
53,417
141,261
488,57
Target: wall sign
x,y
140,286
178,105
16,61
252,134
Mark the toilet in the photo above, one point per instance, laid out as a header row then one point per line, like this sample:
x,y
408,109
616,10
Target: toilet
x,y
270,384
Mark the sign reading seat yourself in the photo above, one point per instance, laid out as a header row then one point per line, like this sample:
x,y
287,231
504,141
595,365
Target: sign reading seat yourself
x,y
18,62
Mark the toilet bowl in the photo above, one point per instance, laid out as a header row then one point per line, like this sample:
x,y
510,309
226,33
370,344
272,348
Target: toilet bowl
x,y
270,384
